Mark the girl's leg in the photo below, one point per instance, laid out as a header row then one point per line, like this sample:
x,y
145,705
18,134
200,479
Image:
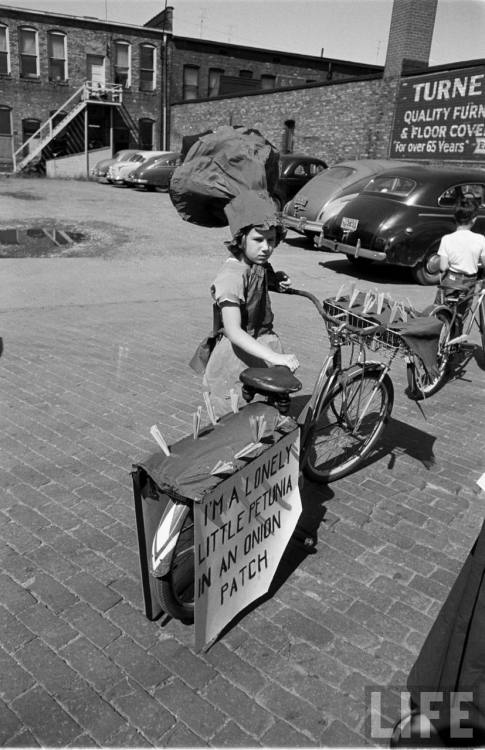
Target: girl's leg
x,y
224,367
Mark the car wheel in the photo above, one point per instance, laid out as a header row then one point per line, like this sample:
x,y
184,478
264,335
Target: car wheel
x,y
427,272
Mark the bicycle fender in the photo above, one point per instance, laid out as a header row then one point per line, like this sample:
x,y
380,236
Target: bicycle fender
x,y
443,310
165,538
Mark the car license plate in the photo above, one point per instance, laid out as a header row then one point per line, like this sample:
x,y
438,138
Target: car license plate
x,y
349,224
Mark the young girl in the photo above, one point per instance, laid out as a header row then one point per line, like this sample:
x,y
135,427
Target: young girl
x,y
243,333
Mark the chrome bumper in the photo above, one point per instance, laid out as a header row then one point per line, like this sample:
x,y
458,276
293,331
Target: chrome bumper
x,y
356,250
301,224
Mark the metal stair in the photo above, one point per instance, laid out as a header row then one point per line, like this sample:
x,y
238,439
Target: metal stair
x,y
88,93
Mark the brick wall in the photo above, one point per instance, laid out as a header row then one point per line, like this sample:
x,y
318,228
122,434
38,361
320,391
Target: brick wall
x,y
36,98
335,121
410,35
290,70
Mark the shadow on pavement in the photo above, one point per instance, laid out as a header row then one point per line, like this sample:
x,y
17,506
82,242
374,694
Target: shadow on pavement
x,y
402,438
369,272
305,243
302,543
398,438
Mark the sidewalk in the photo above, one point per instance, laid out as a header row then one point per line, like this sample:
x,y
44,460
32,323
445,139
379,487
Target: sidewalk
x,y
93,357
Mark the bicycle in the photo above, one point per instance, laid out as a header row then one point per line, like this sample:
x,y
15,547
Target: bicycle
x,y
344,419
462,312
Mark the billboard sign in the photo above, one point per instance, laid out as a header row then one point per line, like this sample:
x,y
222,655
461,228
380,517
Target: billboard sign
x,y
441,116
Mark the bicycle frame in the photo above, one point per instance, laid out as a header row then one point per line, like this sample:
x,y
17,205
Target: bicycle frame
x,y
471,317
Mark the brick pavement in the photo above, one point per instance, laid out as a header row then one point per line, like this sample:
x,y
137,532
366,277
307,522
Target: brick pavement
x,y
92,358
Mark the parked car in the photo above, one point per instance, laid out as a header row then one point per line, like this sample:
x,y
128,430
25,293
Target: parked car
x,y
294,171
401,215
100,169
156,172
119,170
326,193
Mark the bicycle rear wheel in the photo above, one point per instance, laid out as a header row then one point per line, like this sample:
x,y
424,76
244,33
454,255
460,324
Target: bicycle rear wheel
x,y
338,443
422,383
176,589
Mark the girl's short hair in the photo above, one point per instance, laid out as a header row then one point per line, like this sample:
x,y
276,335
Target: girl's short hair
x,y
235,244
466,210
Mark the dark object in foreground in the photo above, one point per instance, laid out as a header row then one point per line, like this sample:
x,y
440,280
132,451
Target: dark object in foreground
x,y
452,662
219,166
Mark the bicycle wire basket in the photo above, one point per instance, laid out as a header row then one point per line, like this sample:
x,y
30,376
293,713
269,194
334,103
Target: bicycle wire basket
x,y
384,339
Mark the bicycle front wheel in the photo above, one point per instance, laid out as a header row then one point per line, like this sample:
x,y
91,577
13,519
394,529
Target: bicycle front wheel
x,y
421,382
348,424
176,589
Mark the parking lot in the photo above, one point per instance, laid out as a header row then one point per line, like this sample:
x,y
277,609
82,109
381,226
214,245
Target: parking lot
x,y
97,337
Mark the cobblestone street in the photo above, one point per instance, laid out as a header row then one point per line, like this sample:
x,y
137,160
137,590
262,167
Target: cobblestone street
x,y
95,352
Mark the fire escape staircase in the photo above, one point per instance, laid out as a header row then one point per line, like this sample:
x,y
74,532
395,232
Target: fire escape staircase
x,y
88,93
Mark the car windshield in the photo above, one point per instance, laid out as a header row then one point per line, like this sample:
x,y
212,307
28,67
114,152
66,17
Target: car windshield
x,y
401,186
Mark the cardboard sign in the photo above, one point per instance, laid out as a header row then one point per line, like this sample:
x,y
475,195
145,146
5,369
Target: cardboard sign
x,y
440,116
241,531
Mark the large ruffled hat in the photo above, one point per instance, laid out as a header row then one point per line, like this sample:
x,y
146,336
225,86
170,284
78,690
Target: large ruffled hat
x,y
252,208
218,167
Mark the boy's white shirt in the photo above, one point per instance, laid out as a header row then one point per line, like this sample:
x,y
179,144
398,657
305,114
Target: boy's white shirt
x,y
463,249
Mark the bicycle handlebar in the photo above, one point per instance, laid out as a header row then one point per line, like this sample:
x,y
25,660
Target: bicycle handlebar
x,y
367,331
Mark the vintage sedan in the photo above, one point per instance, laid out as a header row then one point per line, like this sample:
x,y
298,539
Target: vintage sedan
x,y
100,169
294,171
401,215
326,193
156,172
120,169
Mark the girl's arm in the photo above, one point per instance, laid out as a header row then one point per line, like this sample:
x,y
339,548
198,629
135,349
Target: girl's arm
x,y
231,318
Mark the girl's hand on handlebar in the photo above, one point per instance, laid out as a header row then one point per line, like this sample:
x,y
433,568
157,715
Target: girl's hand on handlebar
x,y
283,281
287,360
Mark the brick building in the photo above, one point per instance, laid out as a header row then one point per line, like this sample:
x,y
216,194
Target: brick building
x,y
93,83
359,117
201,69
90,84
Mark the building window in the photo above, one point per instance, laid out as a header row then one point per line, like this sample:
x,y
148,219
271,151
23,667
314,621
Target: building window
x,y
147,67
245,74
122,57
191,82
268,82
56,49
5,121
214,81
288,137
5,136
4,51
30,127
29,53
145,128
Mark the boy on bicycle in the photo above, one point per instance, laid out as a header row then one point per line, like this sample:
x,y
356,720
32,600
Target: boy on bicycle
x,y
461,253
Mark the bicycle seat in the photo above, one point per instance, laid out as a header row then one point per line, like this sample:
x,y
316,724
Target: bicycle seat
x,y
277,379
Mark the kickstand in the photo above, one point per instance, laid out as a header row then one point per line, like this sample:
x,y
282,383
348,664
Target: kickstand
x,y
421,410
